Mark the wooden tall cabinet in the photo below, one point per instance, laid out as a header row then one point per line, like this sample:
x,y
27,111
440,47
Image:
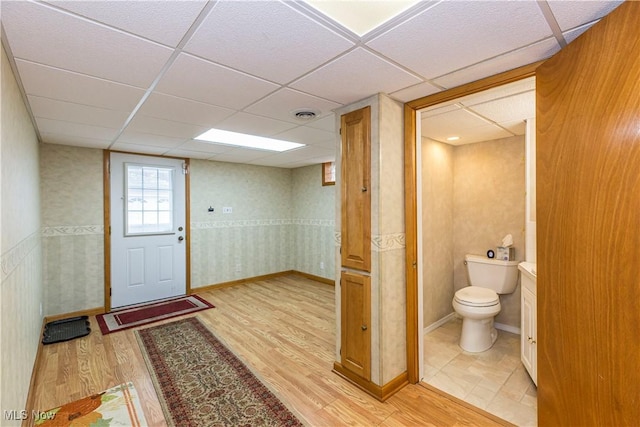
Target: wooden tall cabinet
x,y
355,189
355,281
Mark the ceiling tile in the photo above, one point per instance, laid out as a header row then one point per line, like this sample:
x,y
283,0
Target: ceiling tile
x,y
54,138
282,104
512,108
75,129
70,112
240,155
205,147
154,126
269,34
518,127
142,149
468,126
188,154
455,34
48,82
183,110
355,76
570,14
414,92
254,125
200,80
327,123
65,41
509,61
165,22
511,89
140,138
573,34
306,135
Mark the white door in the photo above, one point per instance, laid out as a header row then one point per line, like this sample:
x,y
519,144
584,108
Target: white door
x,y
148,239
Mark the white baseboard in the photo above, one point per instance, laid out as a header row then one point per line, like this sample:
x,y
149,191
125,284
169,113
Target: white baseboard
x,y
507,328
438,323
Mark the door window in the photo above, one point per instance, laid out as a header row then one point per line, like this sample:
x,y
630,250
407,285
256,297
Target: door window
x,y
149,196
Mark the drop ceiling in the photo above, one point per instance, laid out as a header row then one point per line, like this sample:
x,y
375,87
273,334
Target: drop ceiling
x,y
149,76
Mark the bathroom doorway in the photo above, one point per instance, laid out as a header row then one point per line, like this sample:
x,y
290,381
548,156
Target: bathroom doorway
x,y
471,158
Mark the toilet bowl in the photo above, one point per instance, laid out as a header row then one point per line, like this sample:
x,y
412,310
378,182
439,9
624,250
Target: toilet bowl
x,y
477,306
479,303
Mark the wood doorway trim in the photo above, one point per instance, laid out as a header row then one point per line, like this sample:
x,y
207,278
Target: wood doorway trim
x,y
411,217
106,205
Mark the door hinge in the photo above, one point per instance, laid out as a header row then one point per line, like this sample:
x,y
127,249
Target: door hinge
x,y
185,168
109,230
109,291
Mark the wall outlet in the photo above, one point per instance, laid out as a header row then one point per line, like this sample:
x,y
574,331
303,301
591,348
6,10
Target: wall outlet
x,y
227,210
321,265
40,309
238,268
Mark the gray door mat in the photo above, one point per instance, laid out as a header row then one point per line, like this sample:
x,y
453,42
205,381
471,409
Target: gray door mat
x,y
66,329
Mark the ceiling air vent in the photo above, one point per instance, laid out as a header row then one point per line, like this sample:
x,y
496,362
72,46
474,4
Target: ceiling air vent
x,y
304,114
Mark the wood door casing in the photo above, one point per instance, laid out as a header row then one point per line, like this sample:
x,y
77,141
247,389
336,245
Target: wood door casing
x,y
356,192
588,174
355,351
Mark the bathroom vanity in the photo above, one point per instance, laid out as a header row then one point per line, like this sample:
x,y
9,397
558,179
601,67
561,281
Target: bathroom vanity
x,y
529,340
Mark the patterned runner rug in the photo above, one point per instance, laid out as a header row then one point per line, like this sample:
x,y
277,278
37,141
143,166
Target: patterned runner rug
x,y
149,313
201,383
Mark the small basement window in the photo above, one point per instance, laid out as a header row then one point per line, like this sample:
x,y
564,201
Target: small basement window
x,y
329,173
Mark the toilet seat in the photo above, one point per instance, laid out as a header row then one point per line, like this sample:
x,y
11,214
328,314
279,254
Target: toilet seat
x,y
475,296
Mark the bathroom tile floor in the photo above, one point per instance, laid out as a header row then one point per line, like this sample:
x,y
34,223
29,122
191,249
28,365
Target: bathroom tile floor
x,y
494,380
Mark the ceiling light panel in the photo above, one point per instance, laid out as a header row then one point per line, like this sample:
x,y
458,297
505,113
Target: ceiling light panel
x,y
459,33
199,80
375,75
361,16
244,140
272,34
62,40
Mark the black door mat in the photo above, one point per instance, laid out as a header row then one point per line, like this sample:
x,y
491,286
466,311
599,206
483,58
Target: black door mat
x,y
66,329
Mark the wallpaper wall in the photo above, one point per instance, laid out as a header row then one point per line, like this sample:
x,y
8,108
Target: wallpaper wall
x,y
313,214
473,195
72,228
279,221
21,289
255,238
437,230
489,202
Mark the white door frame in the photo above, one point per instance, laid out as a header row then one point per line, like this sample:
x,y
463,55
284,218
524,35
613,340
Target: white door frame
x,y
106,186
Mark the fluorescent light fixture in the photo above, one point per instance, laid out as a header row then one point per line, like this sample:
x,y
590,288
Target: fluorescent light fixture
x,y
244,140
453,138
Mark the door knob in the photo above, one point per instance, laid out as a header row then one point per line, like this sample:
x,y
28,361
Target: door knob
x,y
180,239
180,228
363,327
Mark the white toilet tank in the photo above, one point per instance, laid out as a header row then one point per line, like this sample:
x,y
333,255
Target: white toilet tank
x,y
500,276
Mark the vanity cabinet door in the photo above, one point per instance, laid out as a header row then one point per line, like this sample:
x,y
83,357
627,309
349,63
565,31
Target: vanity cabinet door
x,y
529,336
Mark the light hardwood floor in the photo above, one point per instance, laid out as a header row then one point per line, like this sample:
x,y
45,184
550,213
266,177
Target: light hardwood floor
x,y
284,330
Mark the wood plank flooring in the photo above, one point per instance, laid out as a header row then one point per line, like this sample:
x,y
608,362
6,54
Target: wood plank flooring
x,y
284,330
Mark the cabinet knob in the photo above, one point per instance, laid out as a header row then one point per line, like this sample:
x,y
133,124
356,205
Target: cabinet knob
x,y
364,189
363,327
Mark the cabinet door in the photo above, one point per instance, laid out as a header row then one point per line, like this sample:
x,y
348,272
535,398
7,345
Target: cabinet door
x,y
528,339
356,313
356,194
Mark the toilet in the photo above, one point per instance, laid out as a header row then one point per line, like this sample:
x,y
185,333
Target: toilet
x,y
479,303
